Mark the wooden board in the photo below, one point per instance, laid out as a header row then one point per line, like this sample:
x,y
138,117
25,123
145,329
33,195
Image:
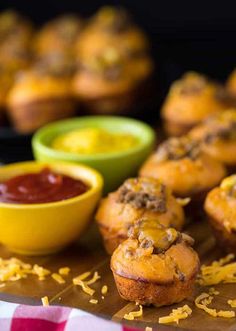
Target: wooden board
x,y
89,255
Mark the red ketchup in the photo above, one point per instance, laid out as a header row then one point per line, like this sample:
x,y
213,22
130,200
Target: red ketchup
x,y
45,186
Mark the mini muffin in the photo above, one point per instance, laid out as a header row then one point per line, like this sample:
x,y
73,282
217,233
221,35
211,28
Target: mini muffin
x,y
182,166
58,35
218,137
15,37
156,265
38,97
137,197
111,27
109,83
189,101
220,206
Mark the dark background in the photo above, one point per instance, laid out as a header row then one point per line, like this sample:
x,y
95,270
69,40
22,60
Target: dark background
x,y
186,35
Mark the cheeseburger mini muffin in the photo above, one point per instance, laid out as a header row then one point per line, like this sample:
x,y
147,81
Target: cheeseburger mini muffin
x,y
110,83
218,136
58,35
15,38
137,197
182,166
220,206
189,101
156,265
39,97
111,27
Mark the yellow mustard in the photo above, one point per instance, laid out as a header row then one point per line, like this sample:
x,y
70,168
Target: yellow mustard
x,y
93,141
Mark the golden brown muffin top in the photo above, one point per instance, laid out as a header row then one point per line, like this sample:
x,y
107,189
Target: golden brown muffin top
x,y
143,192
108,63
112,19
156,254
65,27
178,148
220,126
193,84
13,25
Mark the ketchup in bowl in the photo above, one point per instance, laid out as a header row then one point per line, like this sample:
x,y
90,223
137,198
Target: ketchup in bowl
x,y
42,187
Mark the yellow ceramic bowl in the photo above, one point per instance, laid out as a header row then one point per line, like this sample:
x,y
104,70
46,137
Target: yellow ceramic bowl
x,y
39,229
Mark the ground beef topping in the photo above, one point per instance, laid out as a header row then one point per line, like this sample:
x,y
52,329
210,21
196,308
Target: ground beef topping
x,y
178,148
153,236
221,127
143,193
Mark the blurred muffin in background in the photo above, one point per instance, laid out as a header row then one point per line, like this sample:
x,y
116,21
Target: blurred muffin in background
x,y
6,79
231,84
58,35
190,100
188,171
38,97
15,41
111,27
114,65
218,137
109,83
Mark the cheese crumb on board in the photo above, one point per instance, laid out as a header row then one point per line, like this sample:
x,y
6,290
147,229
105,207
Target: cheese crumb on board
x,y
93,301
133,314
176,315
204,299
222,271
81,277
64,271
93,279
232,303
148,328
104,290
2,285
81,281
45,301
183,201
58,278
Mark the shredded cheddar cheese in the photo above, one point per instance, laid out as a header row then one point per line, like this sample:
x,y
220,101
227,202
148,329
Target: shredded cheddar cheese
x,y
81,277
104,289
80,281
176,315
88,290
58,278
222,271
93,301
232,303
148,328
64,271
45,301
93,279
14,269
204,299
133,314
183,201
2,285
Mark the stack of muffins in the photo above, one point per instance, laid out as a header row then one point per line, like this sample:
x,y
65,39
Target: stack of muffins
x,y
100,65
184,180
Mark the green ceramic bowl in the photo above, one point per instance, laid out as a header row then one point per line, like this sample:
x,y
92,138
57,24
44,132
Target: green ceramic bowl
x,y
115,167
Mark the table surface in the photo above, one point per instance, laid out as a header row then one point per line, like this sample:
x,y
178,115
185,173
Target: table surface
x,y
89,255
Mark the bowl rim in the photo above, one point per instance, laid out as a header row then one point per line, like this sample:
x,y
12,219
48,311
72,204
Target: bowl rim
x,y
37,143
95,187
